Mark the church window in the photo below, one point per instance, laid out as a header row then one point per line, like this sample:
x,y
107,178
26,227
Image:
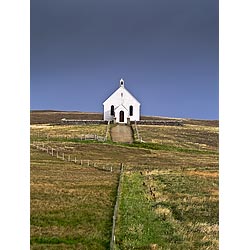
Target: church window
x,y
112,111
121,94
131,110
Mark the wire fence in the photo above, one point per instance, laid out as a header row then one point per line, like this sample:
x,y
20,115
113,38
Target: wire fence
x,y
77,137
71,154
139,138
60,154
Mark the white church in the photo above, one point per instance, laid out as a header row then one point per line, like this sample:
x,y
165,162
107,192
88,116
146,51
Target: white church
x,y
121,106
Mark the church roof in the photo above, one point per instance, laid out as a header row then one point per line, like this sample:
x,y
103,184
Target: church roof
x,y
121,89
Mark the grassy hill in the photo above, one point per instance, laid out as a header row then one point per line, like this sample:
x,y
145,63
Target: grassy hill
x,y
54,117
169,194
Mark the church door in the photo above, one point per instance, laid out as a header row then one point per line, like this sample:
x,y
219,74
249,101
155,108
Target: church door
x,y
121,116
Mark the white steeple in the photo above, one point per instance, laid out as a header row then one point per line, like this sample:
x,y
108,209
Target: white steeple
x,y
122,83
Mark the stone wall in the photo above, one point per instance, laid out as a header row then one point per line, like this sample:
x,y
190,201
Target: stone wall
x,y
159,122
142,122
82,122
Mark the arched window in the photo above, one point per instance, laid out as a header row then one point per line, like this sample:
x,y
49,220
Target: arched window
x,y
131,110
112,111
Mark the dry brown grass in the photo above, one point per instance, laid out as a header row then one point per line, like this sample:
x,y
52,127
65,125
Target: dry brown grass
x,y
203,173
187,136
135,158
60,131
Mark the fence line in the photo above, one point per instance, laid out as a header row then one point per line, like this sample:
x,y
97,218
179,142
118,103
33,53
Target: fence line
x,y
93,137
118,194
61,155
137,132
111,166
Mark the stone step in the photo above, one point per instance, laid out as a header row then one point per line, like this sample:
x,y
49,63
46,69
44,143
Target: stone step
x,y
122,133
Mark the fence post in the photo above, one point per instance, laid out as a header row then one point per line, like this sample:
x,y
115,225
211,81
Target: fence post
x,y
81,162
75,160
88,163
52,151
69,158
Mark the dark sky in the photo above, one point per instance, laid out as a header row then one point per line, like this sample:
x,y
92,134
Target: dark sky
x,y
165,50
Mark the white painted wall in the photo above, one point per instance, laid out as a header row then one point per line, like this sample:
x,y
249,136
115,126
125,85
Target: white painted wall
x,y
122,100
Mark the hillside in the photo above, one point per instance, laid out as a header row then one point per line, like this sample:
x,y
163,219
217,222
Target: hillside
x,y
169,195
54,117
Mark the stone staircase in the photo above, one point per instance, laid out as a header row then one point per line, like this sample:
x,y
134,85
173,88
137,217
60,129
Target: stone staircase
x,y
122,133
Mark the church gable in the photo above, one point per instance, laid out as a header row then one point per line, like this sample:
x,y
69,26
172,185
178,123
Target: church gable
x,y
123,94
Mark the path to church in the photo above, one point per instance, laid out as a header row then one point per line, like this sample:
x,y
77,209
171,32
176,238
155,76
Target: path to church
x,y
122,133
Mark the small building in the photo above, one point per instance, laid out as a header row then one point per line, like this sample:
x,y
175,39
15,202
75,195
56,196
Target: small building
x,y
121,106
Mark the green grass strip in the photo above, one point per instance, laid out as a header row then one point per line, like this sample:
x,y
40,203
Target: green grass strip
x,y
138,226
156,146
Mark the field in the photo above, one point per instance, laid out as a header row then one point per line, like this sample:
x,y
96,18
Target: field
x,y
170,210
71,206
168,199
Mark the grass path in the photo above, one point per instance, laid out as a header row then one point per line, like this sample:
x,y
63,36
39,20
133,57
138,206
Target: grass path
x,y
138,226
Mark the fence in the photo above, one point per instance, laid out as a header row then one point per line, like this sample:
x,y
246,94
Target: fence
x,y
137,132
63,153
93,137
59,154
118,194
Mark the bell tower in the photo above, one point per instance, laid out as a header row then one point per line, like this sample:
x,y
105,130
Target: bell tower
x,y
122,83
